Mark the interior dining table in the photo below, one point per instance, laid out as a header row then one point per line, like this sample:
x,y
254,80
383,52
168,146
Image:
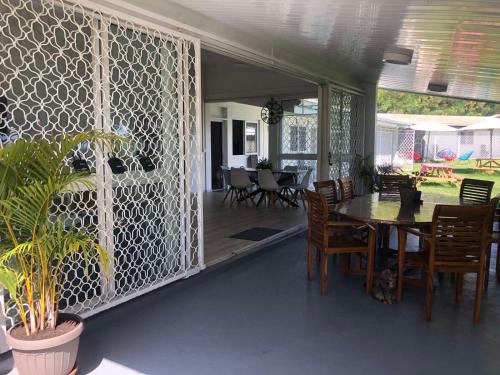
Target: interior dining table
x,y
378,210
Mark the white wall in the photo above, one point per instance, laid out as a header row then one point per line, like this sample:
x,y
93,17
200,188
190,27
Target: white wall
x,y
226,112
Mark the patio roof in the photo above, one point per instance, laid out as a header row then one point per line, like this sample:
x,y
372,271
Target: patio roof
x,y
455,43
405,120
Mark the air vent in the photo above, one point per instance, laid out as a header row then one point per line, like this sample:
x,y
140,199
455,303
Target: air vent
x,y
437,87
398,56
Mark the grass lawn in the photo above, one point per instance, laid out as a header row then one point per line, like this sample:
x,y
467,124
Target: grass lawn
x,y
463,169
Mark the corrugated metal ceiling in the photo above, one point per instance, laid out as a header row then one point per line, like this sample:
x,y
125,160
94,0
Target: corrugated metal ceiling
x,y
455,42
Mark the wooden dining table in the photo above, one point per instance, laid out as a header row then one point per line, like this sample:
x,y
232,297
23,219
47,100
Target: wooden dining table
x,y
378,210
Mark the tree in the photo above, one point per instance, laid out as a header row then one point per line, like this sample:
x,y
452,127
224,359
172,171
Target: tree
x,y
401,102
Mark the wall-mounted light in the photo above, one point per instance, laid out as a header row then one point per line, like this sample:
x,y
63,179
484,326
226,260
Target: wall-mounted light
x,y
437,87
398,56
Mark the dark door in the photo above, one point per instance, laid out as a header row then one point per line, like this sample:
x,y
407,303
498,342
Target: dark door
x,y
216,145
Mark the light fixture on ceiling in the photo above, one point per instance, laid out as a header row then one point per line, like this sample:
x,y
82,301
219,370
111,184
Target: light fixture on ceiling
x,y
437,87
398,56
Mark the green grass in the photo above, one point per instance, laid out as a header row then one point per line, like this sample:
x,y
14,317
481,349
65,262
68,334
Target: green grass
x,y
465,170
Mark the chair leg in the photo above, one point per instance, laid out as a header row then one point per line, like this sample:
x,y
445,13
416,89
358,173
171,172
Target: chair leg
x,y
488,264
479,295
370,264
429,288
401,264
346,264
309,260
324,273
459,287
498,263
262,197
229,191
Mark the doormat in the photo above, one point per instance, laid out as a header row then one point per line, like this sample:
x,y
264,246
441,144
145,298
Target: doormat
x,y
256,234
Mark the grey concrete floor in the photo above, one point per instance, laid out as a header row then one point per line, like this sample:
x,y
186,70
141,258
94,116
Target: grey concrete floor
x,y
259,315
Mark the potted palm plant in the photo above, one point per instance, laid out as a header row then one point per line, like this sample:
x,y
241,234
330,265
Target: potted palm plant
x,y
35,244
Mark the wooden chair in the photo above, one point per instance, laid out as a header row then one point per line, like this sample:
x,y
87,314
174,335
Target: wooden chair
x,y
389,184
320,237
495,239
476,191
458,243
346,189
328,189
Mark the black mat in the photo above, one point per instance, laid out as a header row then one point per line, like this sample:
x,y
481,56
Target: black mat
x,y
256,234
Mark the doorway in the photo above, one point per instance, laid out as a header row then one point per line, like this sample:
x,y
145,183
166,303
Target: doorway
x,y
216,154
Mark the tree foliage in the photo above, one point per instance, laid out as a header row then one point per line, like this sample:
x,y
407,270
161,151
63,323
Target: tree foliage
x,y
401,102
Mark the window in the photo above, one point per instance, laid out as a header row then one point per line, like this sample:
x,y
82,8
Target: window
x,y
251,134
467,137
298,139
238,137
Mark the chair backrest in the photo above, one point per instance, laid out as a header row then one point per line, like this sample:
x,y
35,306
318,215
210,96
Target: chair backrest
x,y
346,188
476,191
460,234
291,168
239,178
226,173
389,184
266,180
317,216
252,161
306,179
328,189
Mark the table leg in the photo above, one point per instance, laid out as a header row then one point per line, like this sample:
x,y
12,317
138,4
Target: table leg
x,y
287,200
401,264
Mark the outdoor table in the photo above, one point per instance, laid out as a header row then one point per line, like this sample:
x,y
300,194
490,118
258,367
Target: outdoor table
x,y
376,210
439,171
488,163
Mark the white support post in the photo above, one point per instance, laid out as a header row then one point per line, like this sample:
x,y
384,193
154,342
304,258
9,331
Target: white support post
x,y
323,147
104,183
200,152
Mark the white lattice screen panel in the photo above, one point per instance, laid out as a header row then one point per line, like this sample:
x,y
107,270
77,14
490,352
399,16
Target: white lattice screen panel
x,y
346,134
64,68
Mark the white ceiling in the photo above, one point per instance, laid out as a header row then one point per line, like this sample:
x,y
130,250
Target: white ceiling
x,y
455,41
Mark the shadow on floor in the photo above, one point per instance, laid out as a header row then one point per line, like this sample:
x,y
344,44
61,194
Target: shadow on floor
x,y
259,315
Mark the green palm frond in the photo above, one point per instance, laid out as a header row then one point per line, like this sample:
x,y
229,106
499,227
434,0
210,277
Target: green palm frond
x,y
35,240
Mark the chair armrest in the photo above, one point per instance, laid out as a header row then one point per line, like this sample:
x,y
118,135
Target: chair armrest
x,y
415,232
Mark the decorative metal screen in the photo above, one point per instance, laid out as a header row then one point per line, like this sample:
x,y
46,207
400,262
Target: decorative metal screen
x,y
346,134
65,68
299,138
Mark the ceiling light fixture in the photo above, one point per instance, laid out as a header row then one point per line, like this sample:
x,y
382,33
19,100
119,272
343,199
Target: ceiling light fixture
x,y
398,56
437,87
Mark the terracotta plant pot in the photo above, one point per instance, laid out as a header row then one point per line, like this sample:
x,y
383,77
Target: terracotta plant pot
x,y
51,356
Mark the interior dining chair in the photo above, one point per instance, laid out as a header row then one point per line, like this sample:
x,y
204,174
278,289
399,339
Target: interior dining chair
x,y
389,185
241,183
299,190
457,244
346,189
286,180
320,237
226,175
270,188
476,191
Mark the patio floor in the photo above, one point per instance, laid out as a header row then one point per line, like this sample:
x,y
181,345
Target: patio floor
x,y
258,315
221,220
